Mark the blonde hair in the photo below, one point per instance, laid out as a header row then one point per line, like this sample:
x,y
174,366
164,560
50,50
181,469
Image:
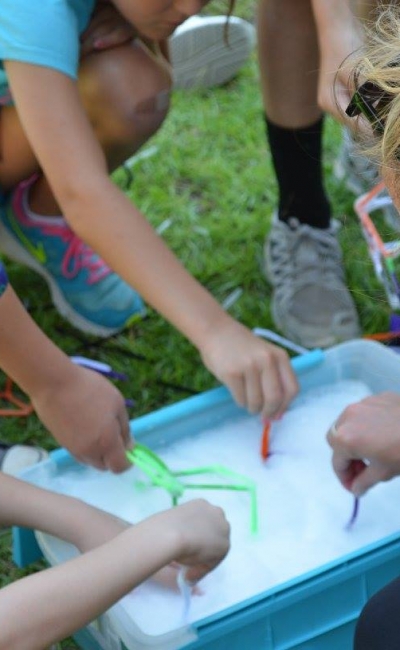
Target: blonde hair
x,y
378,62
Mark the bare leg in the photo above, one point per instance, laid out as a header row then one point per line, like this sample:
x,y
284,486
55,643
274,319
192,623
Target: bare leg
x,y
310,302
125,92
288,58
289,62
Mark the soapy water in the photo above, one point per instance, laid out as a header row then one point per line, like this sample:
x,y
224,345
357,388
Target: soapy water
x,y
303,510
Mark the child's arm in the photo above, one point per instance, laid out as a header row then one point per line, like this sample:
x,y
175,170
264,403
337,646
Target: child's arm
x,y
258,374
54,603
65,517
83,411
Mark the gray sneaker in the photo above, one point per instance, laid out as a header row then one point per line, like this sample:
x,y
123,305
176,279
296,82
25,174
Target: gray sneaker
x,y
359,175
311,304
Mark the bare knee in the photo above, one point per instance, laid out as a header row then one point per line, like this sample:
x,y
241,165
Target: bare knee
x,y
125,92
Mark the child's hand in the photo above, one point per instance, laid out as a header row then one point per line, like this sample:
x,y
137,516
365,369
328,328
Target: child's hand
x,y
203,536
87,415
93,527
168,578
106,29
258,374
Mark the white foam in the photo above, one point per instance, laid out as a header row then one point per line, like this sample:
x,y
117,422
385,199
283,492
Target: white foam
x,y
303,510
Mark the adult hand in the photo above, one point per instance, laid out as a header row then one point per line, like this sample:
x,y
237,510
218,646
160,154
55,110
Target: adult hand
x,y
106,29
87,415
258,374
366,442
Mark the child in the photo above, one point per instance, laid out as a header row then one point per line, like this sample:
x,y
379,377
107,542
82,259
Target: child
x,y
115,558
86,414
47,133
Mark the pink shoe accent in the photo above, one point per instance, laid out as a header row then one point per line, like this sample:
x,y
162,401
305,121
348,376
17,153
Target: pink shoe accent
x,y
77,255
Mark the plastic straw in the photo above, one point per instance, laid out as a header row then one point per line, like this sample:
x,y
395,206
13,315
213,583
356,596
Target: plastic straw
x,y
265,440
156,469
186,592
354,513
381,253
161,476
270,335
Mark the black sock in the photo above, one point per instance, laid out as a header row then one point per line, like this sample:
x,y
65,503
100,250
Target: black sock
x,y
296,155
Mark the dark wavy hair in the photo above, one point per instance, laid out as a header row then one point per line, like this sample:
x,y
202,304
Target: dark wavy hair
x,y
231,6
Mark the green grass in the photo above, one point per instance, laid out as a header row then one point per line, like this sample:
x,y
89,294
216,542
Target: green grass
x,y
212,177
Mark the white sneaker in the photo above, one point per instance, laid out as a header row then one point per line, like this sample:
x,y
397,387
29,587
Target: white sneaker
x,y
205,52
15,458
359,175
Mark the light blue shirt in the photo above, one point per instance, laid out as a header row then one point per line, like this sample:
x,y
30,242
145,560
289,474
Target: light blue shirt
x,y
43,32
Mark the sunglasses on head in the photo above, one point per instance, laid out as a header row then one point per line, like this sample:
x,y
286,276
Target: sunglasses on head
x,y
370,101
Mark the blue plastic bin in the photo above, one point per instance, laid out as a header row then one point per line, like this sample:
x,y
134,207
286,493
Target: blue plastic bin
x,y
316,611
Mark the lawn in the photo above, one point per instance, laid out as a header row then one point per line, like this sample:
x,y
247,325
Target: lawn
x,y
209,186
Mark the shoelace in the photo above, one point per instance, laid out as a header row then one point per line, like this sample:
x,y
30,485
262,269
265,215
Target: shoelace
x,y
288,251
78,255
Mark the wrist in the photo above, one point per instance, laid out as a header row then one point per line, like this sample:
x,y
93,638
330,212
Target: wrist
x,y
93,527
53,377
211,326
166,526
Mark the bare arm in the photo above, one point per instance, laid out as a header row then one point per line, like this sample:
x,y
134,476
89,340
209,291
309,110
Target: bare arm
x,y
258,375
83,411
65,517
58,601
339,35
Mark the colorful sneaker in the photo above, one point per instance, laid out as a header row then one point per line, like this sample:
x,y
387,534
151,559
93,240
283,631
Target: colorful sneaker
x,y
207,52
311,304
83,289
359,175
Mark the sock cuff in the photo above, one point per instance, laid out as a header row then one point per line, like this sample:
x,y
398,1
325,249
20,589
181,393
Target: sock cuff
x,y
313,128
297,160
